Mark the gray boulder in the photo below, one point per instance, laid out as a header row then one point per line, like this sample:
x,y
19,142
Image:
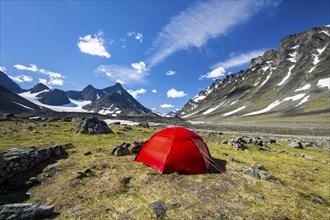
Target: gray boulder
x,y
259,173
93,125
25,211
296,144
159,208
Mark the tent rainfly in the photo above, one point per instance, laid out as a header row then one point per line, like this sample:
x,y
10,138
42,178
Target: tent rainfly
x,y
176,149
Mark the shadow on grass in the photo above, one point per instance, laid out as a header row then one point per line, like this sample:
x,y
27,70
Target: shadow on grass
x,y
15,189
217,166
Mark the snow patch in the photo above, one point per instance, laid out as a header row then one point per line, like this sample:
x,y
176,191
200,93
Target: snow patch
x,y
276,103
24,106
234,102
212,109
295,47
73,106
326,32
123,122
305,99
305,87
287,76
234,111
324,83
293,57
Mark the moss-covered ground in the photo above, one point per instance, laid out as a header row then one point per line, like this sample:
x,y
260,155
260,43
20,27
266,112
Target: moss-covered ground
x,y
119,188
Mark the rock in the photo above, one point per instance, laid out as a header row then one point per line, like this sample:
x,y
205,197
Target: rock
x,y
280,217
121,150
264,147
33,181
296,144
235,160
93,125
159,208
98,149
218,214
25,211
58,150
260,167
151,173
272,141
144,124
318,199
225,154
282,151
87,153
239,146
259,196
136,147
116,123
315,168
83,174
307,157
258,174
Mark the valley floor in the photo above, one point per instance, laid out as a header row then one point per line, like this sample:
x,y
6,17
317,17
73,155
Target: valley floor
x,y
120,188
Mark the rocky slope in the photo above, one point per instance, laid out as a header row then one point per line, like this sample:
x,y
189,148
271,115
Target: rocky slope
x,y
54,97
89,93
13,103
38,88
9,84
293,80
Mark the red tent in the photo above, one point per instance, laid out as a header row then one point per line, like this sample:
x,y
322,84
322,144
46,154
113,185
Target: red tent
x,y
175,149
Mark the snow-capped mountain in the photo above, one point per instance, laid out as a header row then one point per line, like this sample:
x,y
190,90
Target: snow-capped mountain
x,y
293,80
113,100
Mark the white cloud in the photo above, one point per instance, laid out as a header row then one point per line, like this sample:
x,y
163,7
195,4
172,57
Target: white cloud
x,y
137,36
136,93
3,69
32,67
52,82
54,77
240,59
214,74
139,67
173,93
93,45
200,22
170,73
122,74
21,78
154,91
167,106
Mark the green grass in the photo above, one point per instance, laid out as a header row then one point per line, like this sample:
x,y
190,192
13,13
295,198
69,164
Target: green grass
x,y
104,195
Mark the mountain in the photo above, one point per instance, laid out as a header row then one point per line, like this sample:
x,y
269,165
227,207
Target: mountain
x,y
13,103
89,93
38,88
292,80
54,97
171,113
117,101
9,84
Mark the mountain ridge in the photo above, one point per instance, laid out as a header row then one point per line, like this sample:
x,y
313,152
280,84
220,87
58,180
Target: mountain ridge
x,y
291,80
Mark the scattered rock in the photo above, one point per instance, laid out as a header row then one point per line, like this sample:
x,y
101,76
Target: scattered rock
x,y
318,199
33,181
144,124
83,174
239,146
315,168
258,174
151,173
25,211
98,149
264,147
58,150
225,154
307,157
272,141
136,147
259,196
159,208
282,151
218,214
87,153
93,125
120,149
235,160
296,144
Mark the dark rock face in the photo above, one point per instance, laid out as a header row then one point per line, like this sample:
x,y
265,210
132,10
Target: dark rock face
x,y
93,125
9,84
38,88
54,97
25,211
18,160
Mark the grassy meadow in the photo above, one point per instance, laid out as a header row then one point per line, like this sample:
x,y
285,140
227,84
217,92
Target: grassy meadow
x,y
119,188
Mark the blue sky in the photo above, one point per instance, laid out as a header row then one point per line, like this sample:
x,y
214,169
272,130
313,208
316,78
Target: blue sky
x,y
163,52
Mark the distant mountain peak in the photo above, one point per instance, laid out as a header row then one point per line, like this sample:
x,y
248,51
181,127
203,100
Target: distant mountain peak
x,y
38,88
